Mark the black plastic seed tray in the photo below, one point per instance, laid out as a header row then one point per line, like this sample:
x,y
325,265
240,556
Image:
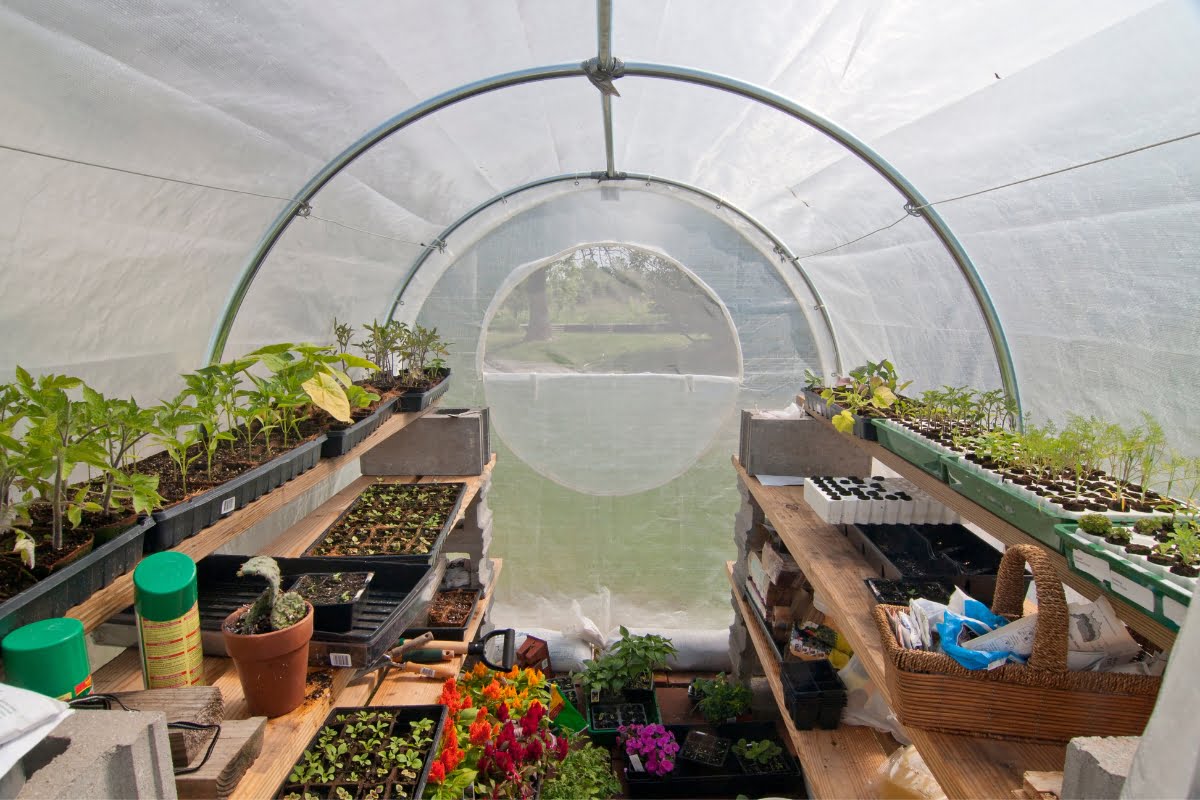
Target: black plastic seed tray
x,y
391,788
393,601
900,592
420,558
443,634
815,694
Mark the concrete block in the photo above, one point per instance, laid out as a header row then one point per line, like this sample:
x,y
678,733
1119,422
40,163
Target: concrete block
x,y
1097,766
447,441
796,447
115,754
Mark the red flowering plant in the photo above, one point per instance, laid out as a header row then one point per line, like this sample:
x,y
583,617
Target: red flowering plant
x,y
500,741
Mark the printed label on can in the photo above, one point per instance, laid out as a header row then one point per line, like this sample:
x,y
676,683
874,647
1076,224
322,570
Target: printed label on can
x,y
171,653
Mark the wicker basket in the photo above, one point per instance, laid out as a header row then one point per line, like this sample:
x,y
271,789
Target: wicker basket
x,y
1038,701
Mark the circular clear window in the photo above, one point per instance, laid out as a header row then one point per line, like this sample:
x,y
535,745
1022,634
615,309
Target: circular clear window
x,y
609,369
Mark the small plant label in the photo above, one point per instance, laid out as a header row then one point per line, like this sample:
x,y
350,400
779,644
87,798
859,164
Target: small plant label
x,y
636,763
1091,565
228,504
1132,591
1174,610
340,660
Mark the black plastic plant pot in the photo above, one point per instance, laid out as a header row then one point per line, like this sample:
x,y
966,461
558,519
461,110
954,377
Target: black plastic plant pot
x,y
397,720
815,695
445,633
66,588
694,779
635,707
186,519
392,602
418,399
341,441
814,404
335,616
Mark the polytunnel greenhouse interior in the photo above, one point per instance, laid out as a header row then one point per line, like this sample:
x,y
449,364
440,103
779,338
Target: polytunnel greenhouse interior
x,y
765,399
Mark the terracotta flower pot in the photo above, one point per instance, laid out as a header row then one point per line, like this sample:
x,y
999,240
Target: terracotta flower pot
x,y
272,667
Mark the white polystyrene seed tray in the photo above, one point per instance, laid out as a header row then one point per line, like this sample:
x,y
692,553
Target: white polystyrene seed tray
x,y
873,501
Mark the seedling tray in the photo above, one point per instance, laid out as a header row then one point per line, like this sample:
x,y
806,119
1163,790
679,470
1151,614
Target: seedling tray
x,y
1166,602
913,448
186,519
342,537
415,400
900,592
392,601
67,587
693,779
646,699
445,634
818,406
341,441
335,617
401,716
927,552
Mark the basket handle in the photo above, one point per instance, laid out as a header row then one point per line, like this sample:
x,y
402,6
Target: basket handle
x,y
1050,633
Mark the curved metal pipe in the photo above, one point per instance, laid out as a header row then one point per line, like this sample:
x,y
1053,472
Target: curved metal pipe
x,y
884,168
685,75
398,297
220,335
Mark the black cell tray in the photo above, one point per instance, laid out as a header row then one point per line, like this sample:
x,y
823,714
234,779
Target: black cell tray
x,y
371,561
692,779
929,552
402,715
815,694
68,587
341,441
186,519
892,592
393,600
458,634
414,400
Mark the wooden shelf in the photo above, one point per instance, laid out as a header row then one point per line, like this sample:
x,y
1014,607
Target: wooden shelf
x,y
119,594
286,736
839,763
996,526
964,766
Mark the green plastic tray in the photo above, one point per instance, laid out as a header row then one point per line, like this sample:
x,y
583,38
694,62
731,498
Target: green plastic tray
x,y
1159,598
1015,506
608,736
913,448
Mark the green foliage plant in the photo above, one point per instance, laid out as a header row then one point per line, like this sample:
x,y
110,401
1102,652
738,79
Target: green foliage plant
x,y
761,752
273,610
585,774
1095,524
1148,526
60,436
721,698
630,660
177,431
1186,539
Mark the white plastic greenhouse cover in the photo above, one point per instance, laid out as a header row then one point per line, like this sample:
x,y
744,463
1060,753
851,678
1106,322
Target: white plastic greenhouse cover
x,y
123,278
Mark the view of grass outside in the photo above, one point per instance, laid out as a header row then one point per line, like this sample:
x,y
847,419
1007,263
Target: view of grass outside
x,y
610,309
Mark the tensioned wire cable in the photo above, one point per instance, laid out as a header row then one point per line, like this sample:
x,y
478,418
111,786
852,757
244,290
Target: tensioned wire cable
x,y
914,210
1039,176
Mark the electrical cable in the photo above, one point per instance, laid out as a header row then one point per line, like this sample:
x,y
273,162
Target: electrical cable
x,y
105,702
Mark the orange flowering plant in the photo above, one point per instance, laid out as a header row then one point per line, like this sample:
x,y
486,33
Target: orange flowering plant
x,y
500,741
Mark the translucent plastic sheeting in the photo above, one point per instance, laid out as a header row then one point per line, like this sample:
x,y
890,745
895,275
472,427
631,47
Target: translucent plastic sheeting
x,y
613,488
